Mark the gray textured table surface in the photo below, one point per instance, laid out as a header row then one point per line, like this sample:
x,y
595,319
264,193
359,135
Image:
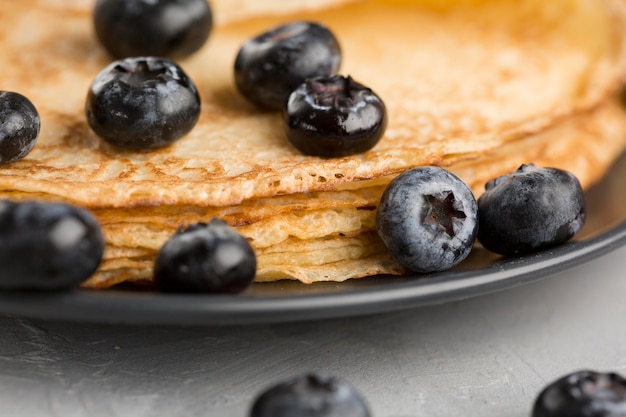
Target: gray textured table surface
x,y
486,356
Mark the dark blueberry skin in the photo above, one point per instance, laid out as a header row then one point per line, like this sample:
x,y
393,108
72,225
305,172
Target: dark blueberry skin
x,y
270,66
207,258
333,116
310,395
142,103
47,246
583,394
529,210
428,219
19,126
166,28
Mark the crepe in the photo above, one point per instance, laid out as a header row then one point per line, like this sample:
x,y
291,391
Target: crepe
x,y
330,236
478,87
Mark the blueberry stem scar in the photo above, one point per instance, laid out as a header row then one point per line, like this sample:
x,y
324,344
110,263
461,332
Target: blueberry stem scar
x,y
442,212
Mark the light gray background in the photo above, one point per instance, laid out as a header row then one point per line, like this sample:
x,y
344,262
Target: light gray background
x,y
486,356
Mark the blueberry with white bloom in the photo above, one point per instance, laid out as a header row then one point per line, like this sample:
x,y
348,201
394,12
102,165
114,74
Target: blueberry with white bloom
x,y
428,219
531,209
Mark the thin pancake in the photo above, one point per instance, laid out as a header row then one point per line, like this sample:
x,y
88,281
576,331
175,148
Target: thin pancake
x,y
469,80
305,249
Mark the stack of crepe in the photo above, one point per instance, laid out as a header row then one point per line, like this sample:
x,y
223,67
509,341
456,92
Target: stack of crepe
x,y
478,87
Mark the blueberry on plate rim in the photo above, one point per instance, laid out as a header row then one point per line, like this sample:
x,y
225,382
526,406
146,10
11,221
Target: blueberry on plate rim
x,y
310,395
334,116
167,28
531,209
142,103
428,219
205,257
19,126
47,246
271,65
583,393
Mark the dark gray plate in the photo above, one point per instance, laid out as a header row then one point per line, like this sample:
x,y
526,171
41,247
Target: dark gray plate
x,y
481,273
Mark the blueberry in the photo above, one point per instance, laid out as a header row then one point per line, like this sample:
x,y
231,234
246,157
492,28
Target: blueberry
x,y
47,246
142,103
270,66
583,393
204,257
167,28
428,219
529,210
332,116
310,395
19,126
